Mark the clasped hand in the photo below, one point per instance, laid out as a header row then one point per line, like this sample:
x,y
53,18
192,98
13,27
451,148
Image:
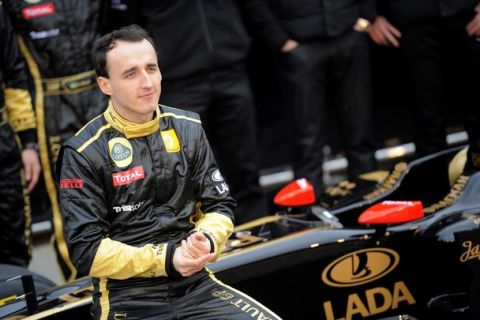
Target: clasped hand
x,y
192,255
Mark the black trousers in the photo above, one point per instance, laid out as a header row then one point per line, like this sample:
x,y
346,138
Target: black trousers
x,y
198,298
224,101
15,219
430,48
333,73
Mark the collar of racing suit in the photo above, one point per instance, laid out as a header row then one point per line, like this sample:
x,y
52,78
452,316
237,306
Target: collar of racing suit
x,y
128,128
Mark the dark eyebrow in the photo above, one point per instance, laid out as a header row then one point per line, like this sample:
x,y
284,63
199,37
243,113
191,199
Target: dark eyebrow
x,y
128,71
152,65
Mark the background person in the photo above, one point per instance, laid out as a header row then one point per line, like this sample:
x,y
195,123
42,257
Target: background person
x,y
56,39
436,37
323,63
17,120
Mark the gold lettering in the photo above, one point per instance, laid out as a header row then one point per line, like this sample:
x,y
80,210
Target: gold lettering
x,y
355,305
254,313
327,307
245,307
372,304
450,198
389,182
473,252
263,317
237,303
401,293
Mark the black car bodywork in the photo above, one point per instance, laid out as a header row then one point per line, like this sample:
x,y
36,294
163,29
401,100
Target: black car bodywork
x,y
320,263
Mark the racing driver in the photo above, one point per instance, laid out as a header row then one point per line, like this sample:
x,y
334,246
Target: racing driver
x,y
145,207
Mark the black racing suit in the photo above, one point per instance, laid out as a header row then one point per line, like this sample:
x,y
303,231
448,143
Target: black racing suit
x,y
129,194
56,39
16,114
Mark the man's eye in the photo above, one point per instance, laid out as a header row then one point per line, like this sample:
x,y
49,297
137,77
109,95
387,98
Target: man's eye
x,y
129,75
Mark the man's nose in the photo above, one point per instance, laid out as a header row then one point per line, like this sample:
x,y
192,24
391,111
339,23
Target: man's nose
x,y
147,81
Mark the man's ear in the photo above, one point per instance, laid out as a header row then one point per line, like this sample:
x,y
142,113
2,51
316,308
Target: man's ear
x,y
104,85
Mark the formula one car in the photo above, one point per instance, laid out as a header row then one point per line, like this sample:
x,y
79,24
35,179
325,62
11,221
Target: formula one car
x,y
401,245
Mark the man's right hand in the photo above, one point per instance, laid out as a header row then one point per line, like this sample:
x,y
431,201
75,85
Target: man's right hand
x,y
193,255
384,33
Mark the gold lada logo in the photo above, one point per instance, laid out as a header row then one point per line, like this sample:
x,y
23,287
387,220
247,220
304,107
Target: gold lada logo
x,y
360,267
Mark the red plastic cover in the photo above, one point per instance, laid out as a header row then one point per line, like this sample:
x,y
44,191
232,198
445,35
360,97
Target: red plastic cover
x,y
390,212
297,193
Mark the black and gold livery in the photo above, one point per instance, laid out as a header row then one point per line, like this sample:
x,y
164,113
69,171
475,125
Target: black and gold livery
x,y
16,120
129,193
55,39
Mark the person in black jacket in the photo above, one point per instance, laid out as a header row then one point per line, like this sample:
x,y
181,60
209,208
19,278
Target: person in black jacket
x,y
322,60
434,35
202,46
16,117
144,203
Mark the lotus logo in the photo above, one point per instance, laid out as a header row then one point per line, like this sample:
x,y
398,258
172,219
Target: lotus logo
x,y
120,151
360,267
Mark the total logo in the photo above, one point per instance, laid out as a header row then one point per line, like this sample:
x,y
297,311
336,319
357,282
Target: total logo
x,y
38,10
120,151
128,207
127,177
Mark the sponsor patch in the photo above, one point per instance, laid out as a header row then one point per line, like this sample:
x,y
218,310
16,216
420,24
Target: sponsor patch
x,y
120,151
37,35
360,267
170,140
39,10
217,176
127,177
128,207
71,183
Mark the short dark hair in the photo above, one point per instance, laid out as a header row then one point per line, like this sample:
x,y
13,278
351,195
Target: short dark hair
x,y
132,33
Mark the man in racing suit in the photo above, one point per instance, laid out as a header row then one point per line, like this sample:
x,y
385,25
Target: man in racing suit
x,y
55,39
144,204
16,113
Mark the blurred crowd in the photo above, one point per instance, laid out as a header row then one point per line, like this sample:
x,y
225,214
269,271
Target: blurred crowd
x,y
320,50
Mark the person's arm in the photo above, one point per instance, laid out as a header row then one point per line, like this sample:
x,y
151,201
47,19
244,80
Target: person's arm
x,y
215,212
266,26
86,228
473,27
17,99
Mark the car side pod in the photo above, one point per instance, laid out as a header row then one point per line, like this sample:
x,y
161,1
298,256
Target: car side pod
x,y
392,212
295,194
